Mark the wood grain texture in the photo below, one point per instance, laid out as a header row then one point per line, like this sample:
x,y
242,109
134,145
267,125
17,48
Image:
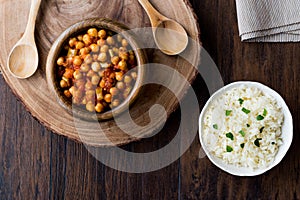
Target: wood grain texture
x,y
38,164
54,17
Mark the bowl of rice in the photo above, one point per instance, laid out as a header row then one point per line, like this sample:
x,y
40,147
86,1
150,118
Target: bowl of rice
x,y
245,128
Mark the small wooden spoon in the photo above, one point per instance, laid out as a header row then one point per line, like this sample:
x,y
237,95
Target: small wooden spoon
x,y
23,58
170,37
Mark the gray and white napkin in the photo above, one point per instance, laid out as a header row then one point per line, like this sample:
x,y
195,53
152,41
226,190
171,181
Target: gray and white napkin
x,y
269,20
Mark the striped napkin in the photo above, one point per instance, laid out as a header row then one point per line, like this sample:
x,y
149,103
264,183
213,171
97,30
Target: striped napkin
x,y
269,20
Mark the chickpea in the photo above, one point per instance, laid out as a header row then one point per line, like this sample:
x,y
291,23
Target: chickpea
x,y
101,42
107,98
90,95
116,50
95,57
102,83
124,56
60,61
113,91
110,40
67,93
115,103
88,86
115,60
63,84
92,32
133,75
77,61
102,57
71,90
79,45
72,42
124,43
84,51
126,92
122,50
77,94
88,59
104,49
127,79
119,76
94,47
80,83
101,73
68,73
86,39
90,73
84,101
120,85
99,94
90,106
122,65
96,67
119,38
99,107
95,80
77,75
102,34
84,67
79,37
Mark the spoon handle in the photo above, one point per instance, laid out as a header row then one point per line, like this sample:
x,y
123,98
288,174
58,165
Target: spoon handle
x,y
29,32
154,15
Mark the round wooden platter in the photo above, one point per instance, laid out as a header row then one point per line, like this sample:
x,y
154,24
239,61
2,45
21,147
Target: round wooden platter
x,y
57,15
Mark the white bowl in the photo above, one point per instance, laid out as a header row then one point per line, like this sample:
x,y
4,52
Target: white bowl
x,y
286,135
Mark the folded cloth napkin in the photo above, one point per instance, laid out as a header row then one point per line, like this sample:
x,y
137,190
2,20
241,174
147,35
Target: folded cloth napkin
x,y
269,20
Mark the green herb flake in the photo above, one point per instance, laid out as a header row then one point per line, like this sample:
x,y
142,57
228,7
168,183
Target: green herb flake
x,y
246,111
229,135
261,129
265,112
248,125
228,112
260,117
256,142
242,145
215,126
241,101
229,149
242,133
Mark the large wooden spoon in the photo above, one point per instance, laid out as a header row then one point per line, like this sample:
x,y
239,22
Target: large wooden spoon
x,y
23,58
170,37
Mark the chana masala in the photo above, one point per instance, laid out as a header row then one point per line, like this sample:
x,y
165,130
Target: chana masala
x,y
96,70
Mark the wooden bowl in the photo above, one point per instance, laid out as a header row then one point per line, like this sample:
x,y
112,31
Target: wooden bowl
x,y
74,30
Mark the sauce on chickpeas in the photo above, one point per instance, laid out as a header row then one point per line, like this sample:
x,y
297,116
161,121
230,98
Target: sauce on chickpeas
x,y
96,70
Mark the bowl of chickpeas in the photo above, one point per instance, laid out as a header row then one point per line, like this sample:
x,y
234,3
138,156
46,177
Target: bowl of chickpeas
x,y
95,69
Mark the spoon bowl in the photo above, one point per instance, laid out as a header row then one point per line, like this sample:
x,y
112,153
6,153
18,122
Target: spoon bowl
x,y
23,59
169,36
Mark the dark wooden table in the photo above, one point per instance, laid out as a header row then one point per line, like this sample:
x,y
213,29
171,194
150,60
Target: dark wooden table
x,y
38,164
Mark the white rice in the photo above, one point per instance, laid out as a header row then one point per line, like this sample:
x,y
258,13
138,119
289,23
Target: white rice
x,y
253,155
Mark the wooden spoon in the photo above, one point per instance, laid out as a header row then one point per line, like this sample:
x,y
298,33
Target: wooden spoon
x,y
170,37
23,58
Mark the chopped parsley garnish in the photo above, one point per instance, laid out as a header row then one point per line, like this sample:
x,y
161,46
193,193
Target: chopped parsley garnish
x,y
229,149
261,129
228,112
265,112
241,101
229,135
256,142
242,133
248,125
246,111
242,145
260,117
215,126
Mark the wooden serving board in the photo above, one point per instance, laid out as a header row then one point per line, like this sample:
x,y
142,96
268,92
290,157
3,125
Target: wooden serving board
x,y
57,15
